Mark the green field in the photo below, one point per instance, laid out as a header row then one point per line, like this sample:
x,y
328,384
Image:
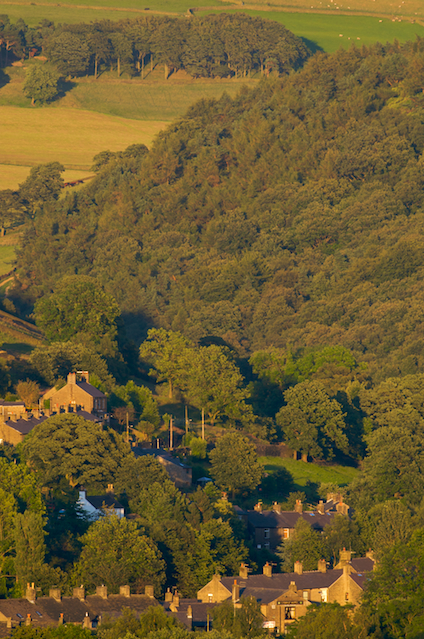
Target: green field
x,y
91,117
302,472
329,32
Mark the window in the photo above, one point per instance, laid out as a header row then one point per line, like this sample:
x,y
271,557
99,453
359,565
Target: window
x,y
266,533
285,533
290,613
266,545
324,595
305,595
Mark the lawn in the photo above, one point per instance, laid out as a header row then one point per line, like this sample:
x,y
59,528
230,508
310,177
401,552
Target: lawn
x,y
317,473
7,257
384,7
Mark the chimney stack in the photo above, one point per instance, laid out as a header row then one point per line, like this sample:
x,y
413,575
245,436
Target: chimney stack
x,y
60,619
298,568
79,593
101,591
298,507
72,378
235,591
189,612
149,592
292,586
258,507
110,489
168,595
54,593
87,621
276,507
30,593
125,591
320,507
28,619
345,557
322,565
243,573
268,570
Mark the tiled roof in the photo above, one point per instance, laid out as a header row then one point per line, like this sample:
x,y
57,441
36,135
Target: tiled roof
x,y
199,612
362,564
3,403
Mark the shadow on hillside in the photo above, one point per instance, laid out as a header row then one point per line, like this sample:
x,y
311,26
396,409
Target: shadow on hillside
x,y
4,79
64,85
312,46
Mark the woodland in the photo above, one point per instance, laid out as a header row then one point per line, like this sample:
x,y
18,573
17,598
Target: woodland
x,y
263,264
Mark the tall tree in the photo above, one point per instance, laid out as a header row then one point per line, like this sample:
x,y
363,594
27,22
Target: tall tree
x,y
115,552
41,84
234,464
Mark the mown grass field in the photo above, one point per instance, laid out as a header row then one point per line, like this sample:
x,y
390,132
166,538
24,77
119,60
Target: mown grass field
x,y
329,32
384,7
302,472
91,117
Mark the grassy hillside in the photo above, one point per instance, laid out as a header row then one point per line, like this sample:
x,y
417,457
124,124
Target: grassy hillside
x,y
302,472
329,32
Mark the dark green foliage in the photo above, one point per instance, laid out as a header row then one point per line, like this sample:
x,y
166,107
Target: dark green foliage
x,y
115,552
306,545
41,84
326,621
150,621
234,464
71,449
244,620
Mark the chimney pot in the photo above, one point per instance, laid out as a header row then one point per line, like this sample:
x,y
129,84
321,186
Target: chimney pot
x,y
258,507
31,594
28,619
235,591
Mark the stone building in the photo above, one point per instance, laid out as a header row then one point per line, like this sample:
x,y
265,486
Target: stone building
x,y
77,395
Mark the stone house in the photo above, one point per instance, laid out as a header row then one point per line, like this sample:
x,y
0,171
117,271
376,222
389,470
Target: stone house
x,y
269,528
77,395
284,597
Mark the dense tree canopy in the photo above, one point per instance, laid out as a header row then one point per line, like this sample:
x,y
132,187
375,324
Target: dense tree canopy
x,y
235,466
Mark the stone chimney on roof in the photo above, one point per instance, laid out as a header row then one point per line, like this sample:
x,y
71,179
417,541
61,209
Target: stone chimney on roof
x,y
60,623
292,586
125,591
370,554
267,569
298,568
149,591
322,565
168,595
110,489
276,507
101,591
189,612
72,378
235,592
79,593
345,557
258,507
31,593
320,507
342,508
175,602
54,593
243,572
298,508
85,376
87,621
28,619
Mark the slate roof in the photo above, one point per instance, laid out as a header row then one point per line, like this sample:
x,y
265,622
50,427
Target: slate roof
x,y
25,426
90,390
107,500
286,519
46,611
269,588
3,403
199,612
362,564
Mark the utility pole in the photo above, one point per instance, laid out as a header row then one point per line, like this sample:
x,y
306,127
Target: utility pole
x,y
128,430
203,423
186,419
171,438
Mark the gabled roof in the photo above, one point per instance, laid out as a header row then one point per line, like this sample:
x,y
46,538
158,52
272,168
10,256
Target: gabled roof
x,y
90,390
286,519
101,501
272,587
24,426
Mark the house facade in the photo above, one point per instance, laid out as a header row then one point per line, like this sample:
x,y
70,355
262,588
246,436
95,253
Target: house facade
x,y
77,395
